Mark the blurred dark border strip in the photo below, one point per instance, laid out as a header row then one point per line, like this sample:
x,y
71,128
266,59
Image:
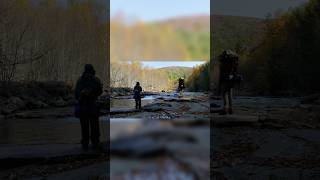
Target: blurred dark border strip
x,y
107,86
211,90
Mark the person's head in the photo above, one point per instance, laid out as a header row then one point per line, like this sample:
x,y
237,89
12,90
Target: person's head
x,y
228,56
138,84
88,69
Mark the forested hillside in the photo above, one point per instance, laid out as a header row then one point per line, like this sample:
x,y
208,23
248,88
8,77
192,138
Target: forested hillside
x,y
241,34
238,33
181,38
46,41
186,38
287,62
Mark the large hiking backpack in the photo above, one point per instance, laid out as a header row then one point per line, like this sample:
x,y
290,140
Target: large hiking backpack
x,y
230,61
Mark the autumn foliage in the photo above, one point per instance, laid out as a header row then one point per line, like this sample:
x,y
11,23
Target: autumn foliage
x,y
287,61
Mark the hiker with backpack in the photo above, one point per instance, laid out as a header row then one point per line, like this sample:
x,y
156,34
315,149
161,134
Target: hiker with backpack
x,y
137,95
229,62
181,86
87,91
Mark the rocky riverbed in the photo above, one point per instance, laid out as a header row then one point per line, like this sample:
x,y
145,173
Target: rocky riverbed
x,y
269,138
168,130
144,144
266,138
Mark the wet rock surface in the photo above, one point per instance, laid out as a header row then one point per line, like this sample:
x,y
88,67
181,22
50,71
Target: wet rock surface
x,y
144,144
166,106
173,127
282,142
266,138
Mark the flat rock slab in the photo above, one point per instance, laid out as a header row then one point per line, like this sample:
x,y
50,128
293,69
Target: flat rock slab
x,y
95,171
179,100
234,120
44,113
136,147
114,111
156,107
150,143
41,151
191,122
148,108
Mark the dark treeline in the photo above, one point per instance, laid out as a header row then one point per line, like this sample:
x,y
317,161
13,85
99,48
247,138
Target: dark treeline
x,y
199,78
287,61
240,34
46,41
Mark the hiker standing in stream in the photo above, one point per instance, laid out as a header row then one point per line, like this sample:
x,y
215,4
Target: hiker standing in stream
x,y
137,95
87,91
228,78
181,86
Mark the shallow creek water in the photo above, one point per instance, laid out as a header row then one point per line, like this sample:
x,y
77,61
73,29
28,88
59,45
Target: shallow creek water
x,y
67,130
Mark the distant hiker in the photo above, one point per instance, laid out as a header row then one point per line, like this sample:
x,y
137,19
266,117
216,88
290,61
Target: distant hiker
x,y
88,89
181,85
137,95
228,77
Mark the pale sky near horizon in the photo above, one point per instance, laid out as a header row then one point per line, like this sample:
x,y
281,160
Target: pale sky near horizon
x,y
151,10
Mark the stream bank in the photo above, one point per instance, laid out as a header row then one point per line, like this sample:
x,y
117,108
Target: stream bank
x,y
130,134
280,139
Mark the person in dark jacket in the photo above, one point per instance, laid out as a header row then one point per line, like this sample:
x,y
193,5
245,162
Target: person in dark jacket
x,y
137,95
87,91
181,85
228,71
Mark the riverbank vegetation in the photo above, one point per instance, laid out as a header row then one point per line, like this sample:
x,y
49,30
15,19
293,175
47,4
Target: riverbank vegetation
x,y
126,74
17,96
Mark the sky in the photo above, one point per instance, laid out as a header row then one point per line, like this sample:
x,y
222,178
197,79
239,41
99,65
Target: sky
x,y
152,10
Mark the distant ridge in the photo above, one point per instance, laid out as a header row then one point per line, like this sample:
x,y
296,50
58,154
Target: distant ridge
x,y
228,31
201,22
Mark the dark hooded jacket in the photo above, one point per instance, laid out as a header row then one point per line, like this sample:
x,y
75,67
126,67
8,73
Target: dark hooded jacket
x,y
88,87
137,91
